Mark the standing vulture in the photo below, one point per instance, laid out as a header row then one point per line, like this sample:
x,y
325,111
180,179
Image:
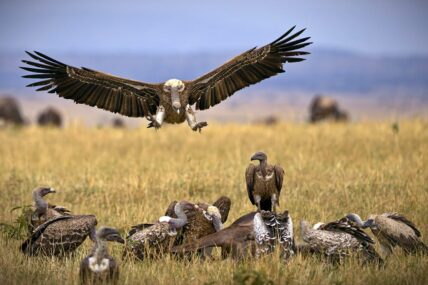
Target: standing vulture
x,y
264,183
338,239
99,267
392,229
169,101
43,211
60,235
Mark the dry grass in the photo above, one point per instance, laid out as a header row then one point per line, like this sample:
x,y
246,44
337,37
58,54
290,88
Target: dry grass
x,y
125,177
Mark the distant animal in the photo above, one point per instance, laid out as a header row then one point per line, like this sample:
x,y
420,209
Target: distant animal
x,y
338,239
264,183
43,211
268,121
50,117
60,235
99,267
250,235
10,113
153,240
323,107
118,123
169,101
393,229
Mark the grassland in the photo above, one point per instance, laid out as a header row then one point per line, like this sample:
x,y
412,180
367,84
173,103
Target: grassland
x,y
126,177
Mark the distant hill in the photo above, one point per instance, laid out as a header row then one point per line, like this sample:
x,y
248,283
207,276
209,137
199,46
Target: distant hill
x,y
325,70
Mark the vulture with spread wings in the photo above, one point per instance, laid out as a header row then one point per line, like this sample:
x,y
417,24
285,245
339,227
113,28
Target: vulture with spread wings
x,y
169,101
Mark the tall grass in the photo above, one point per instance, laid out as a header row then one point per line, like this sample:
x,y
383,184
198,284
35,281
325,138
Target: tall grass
x,y
126,177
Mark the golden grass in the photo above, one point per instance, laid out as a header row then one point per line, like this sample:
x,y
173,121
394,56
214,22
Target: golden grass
x,y
126,177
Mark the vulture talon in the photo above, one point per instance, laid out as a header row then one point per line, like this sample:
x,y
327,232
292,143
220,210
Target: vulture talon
x,y
199,126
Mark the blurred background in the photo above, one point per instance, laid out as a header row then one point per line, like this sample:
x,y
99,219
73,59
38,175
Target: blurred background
x,y
368,58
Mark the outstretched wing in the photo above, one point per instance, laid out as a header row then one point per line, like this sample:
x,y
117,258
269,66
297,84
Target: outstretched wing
x,y
247,68
223,205
279,177
249,178
93,88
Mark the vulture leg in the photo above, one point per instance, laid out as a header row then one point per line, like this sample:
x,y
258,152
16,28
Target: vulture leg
x,y
191,120
157,120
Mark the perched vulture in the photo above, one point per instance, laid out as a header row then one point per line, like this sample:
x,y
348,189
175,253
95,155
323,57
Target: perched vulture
x,y
43,211
99,267
60,235
392,229
264,183
169,101
153,240
339,239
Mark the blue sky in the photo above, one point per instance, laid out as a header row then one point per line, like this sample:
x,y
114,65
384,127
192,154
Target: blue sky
x,y
382,27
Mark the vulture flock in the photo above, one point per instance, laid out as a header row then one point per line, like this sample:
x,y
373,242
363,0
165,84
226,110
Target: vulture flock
x,y
189,228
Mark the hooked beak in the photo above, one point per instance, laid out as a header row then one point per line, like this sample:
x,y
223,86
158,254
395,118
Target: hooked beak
x,y
115,237
254,157
52,190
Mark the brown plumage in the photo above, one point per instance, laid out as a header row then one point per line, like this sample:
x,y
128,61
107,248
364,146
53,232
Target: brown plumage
x,y
170,100
60,235
264,183
391,230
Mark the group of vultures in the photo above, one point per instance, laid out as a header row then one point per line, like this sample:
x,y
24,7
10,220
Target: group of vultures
x,y
193,229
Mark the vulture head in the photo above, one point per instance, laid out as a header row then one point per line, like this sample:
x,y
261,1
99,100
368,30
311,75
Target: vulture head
x,y
357,219
43,191
180,208
174,87
317,225
109,234
260,156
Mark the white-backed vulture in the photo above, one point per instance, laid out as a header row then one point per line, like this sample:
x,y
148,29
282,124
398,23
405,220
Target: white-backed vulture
x,y
393,229
338,240
99,267
169,101
264,183
43,211
60,235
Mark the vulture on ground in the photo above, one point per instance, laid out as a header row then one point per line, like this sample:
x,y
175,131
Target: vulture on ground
x,y
99,267
393,229
264,183
43,211
338,240
59,235
168,101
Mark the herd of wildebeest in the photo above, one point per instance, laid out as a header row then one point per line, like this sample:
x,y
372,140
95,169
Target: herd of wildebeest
x,y
321,108
192,229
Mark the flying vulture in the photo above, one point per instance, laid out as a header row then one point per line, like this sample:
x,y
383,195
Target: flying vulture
x,y
43,211
392,229
99,267
59,235
338,239
264,183
169,101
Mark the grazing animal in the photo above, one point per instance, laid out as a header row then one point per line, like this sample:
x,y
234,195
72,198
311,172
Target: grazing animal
x,y
50,117
323,107
153,240
43,211
60,235
264,183
169,101
393,229
99,267
10,113
339,239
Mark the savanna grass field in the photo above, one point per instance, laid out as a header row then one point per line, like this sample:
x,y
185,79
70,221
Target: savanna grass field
x,y
129,176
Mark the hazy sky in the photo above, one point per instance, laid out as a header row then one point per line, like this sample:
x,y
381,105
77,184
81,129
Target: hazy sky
x,y
386,27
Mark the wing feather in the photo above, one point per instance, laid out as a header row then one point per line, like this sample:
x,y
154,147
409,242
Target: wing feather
x,y
246,69
249,178
279,177
86,86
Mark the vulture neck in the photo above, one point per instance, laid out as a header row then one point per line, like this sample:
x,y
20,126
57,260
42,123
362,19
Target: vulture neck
x,y
263,166
99,250
305,229
181,218
40,204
